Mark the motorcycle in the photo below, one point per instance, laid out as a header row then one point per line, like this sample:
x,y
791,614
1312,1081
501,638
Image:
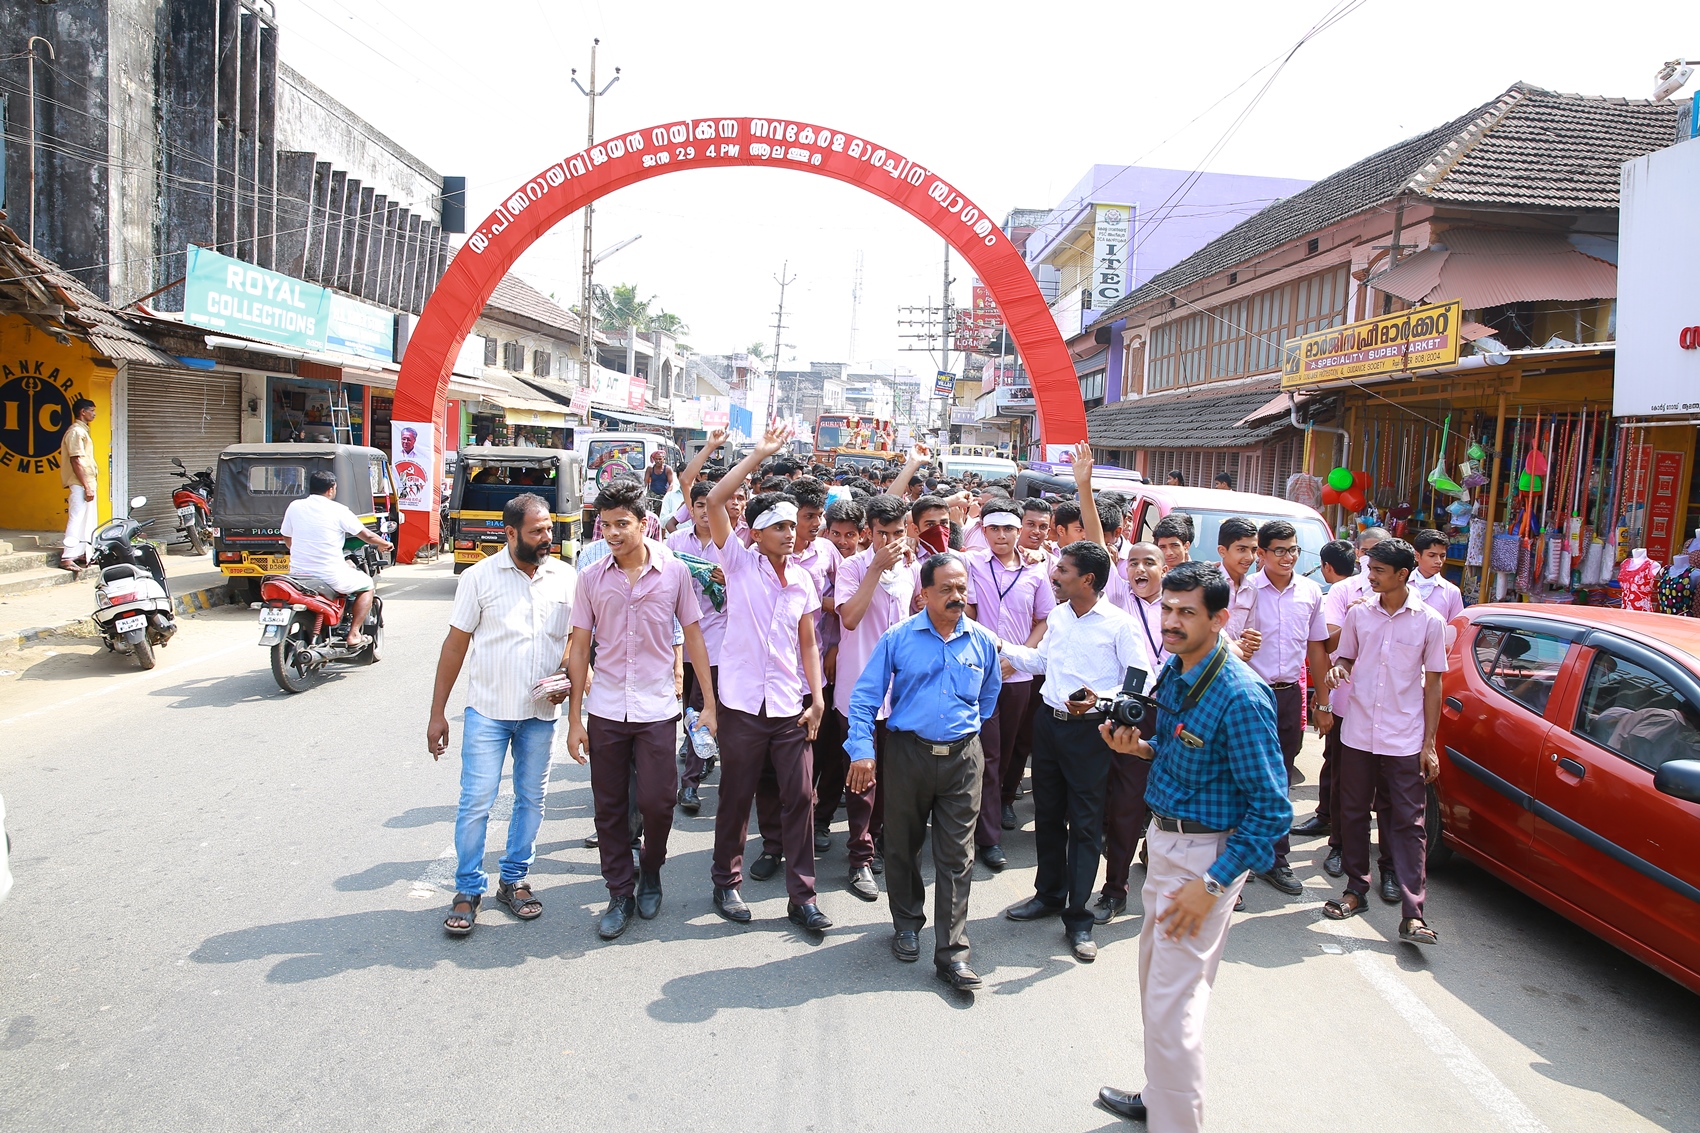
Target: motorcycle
x,y
305,624
133,605
193,502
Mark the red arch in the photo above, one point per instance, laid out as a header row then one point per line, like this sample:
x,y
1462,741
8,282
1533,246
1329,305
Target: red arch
x,y
580,178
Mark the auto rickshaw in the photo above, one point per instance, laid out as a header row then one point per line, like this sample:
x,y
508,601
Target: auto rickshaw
x,y
255,484
487,477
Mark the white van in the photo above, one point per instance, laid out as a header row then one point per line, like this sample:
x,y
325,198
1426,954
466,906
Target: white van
x,y
633,449
953,467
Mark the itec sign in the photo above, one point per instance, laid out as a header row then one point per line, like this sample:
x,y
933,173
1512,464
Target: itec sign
x,y
579,179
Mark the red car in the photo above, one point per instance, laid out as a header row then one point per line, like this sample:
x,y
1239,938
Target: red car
x,y
1570,768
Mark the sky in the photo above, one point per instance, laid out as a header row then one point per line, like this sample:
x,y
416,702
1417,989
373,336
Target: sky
x,y
1012,102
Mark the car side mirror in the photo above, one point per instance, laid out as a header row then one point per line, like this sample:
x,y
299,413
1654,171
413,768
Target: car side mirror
x,y
1680,779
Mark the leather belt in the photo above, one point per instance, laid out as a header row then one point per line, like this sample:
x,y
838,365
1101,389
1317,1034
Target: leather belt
x,y
1182,825
948,748
1083,718
1283,686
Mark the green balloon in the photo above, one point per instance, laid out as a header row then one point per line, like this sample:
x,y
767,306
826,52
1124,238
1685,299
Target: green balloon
x,y
1340,479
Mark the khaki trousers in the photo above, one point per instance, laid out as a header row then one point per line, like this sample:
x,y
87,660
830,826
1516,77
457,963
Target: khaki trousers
x,y
1175,978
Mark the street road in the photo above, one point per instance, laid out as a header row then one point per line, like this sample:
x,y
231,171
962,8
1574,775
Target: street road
x,y
228,915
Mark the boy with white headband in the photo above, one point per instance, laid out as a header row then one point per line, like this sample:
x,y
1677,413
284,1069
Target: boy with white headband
x,y
770,605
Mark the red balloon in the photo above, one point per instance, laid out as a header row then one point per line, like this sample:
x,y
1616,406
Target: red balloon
x,y
1352,499
1330,496
1362,480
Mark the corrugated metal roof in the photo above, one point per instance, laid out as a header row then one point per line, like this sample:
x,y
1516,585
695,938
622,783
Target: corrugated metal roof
x,y
1092,364
1489,269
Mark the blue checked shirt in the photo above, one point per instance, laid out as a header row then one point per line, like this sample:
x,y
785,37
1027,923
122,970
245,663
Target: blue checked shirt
x,y
1238,780
941,689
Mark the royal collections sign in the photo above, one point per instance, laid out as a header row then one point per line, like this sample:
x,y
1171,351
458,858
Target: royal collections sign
x,y
1418,339
234,297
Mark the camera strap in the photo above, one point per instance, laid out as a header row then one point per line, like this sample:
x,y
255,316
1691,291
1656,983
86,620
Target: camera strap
x,y
1212,669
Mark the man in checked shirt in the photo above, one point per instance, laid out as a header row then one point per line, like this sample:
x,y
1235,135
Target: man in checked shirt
x,y
1218,798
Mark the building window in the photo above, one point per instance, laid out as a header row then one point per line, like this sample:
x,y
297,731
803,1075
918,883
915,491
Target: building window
x,y
540,362
1245,336
489,352
513,357
1313,245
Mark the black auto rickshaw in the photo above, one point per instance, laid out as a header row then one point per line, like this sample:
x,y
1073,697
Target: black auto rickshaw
x,y
487,477
255,484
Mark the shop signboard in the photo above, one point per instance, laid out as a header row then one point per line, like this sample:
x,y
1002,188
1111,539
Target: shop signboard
x,y
1110,232
636,388
581,403
944,384
411,442
715,412
609,388
962,415
687,414
1661,504
234,297
1657,367
1418,339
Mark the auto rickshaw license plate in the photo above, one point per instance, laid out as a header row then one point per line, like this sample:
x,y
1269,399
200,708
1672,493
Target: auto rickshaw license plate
x,y
268,562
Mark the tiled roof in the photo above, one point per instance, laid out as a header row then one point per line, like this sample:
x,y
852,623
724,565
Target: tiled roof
x,y
514,296
35,287
1203,417
1528,148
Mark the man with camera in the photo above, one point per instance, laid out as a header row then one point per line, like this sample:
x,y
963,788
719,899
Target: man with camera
x,y
1218,798
1089,645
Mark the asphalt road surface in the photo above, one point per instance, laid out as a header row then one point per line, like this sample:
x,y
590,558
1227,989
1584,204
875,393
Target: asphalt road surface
x,y
228,914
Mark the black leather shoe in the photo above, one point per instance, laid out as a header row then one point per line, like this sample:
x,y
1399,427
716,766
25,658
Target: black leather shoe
x,y
1010,822
708,766
823,839
690,800
764,867
1283,878
593,841
906,945
958,975
616,918
1108,908
1035,908
807,917
878,864
992,857
862,883
1390,887
1080,939
1122,1102
1331,865
648,895
729,903
1239,903
1311,827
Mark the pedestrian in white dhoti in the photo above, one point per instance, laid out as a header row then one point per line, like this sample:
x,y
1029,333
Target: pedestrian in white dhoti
x,y
77,475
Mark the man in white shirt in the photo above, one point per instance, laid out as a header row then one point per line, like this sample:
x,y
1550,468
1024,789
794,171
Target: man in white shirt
x,y
512,614
314,528
1089,645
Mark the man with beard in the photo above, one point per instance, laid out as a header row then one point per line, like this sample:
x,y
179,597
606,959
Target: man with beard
x,y
771,665
940,670
627,604
511,612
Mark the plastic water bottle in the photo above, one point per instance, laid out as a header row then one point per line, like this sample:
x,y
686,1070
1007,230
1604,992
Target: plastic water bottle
x,y
707,747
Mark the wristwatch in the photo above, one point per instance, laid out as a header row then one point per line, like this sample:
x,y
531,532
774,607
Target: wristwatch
x,y
1212,886
1325,708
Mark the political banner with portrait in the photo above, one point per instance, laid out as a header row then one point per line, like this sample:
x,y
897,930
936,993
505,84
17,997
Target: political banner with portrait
x,y
413,454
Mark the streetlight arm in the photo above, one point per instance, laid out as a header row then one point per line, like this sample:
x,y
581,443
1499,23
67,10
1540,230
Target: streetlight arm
x,y
610,251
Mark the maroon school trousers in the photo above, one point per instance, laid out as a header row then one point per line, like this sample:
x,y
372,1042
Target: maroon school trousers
x,y
859,808
1125,819
747,743
998,734
1328,798
617,748
695,765
1290,729
1405,836
1015,766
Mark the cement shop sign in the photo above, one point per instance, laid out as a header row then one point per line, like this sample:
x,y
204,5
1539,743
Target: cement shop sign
x,y
1658,304
233,297
1418,339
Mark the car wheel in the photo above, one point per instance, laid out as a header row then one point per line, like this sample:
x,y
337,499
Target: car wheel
x,y
1438,852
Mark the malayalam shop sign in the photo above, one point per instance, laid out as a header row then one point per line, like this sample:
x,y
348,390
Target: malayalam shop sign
x,y
1418,339
234,297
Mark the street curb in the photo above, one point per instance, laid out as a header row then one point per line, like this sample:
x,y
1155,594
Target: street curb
x,y
193,601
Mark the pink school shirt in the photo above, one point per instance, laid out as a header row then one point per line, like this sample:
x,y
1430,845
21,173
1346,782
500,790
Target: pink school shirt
x,y
889,606
1391,653
1443,597
761,663
633,627
1288,620
821,560
1009,602
713,624
1335,603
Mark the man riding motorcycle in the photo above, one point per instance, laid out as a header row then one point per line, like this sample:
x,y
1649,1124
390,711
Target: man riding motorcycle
x,y
314,528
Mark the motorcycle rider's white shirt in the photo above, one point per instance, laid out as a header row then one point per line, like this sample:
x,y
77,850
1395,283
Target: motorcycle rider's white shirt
x,y
316,527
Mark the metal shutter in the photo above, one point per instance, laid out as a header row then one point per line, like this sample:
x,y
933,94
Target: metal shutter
x,y
190,415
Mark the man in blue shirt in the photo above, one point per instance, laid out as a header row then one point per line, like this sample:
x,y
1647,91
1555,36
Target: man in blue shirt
x,y
1218,800
941,671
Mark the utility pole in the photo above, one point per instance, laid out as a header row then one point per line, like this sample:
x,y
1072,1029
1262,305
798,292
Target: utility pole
x,y
587,301
944,347
778,331
29,113
933,332
855,309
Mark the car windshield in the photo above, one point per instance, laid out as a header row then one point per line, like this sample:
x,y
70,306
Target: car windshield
x,y
277,480
830,436
1313,533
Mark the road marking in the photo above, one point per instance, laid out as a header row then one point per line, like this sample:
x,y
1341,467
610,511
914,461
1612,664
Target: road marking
x,y
405,589
120,685
440,874
1490,1093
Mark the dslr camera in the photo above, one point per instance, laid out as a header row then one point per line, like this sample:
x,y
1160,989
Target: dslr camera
x,y
1129,708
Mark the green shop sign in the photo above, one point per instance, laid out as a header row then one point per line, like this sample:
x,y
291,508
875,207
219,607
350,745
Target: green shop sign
x,y
233,297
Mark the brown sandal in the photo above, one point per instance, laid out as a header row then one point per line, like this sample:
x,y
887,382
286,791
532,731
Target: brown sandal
x,y
1345,907
516,895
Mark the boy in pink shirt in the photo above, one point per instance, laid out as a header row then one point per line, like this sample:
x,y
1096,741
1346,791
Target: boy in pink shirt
x,y
1394,651
1442,596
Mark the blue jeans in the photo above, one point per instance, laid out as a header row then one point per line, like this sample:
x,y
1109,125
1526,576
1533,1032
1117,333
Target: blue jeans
x,y
483,748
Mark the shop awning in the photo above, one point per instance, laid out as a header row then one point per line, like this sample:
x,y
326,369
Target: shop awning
x,y
632,418
1092,363
1491,269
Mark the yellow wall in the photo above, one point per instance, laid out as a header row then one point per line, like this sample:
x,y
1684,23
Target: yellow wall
x,y
39,379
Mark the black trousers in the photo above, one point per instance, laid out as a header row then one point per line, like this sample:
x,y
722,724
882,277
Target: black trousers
x,y
947,789
1071,770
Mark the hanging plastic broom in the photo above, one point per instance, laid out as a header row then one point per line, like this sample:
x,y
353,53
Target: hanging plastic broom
x,y
1437,478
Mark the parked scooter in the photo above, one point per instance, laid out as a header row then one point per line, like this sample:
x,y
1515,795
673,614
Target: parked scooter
x,y
305,623
193,502
132,602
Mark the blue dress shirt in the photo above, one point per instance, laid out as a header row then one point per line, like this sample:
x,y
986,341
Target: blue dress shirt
x,y
1238,779
941,688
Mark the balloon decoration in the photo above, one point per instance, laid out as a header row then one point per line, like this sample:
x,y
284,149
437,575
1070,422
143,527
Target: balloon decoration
x,y
1330,496
1352,499
1340,479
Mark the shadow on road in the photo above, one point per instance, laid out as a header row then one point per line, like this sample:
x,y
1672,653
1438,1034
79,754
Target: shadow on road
x,y
220,692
